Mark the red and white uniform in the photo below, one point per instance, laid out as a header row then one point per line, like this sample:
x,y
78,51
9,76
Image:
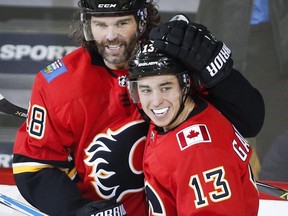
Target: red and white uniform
x,y
81,110
199,168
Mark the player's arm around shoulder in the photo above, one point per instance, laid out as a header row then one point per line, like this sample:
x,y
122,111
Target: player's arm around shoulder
x,y
240,102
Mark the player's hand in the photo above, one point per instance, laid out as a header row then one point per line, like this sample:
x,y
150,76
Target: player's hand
x,y
103,207
191,43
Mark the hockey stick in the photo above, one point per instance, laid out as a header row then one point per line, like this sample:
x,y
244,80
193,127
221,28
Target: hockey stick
x,y
11,109
272,190
19,206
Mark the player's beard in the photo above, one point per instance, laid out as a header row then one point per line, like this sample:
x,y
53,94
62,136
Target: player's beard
x,y
117,58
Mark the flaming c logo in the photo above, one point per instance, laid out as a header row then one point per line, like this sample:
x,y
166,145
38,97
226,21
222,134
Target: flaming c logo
x,y
115,158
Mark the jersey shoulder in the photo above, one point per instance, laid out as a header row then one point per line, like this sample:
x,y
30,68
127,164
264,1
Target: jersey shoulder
x,y
70,62
69,78
208,127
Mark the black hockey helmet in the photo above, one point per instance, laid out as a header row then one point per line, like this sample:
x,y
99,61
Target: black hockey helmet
x,y
112,8
149,61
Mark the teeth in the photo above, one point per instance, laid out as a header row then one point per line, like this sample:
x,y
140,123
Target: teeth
x,y
160,112
113,46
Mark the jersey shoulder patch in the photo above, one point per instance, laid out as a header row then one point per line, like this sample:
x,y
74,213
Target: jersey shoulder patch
x,y
193,135
54,70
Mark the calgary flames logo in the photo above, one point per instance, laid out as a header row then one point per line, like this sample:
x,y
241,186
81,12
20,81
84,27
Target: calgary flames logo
x,y
115,159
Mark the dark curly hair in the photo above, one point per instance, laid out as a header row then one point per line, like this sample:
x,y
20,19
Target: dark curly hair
x,y
77,34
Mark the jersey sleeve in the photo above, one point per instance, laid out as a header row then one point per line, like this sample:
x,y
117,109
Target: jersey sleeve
x,y
41,157
44,136
50,189
240,102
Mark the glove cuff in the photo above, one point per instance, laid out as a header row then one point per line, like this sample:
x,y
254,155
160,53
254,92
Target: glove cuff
x,y
219,67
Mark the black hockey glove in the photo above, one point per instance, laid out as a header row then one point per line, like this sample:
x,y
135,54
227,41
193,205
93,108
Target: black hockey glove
x,y
208,59
103,207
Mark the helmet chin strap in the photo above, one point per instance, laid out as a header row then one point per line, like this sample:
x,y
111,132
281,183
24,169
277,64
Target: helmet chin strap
x,y
181,108
185,95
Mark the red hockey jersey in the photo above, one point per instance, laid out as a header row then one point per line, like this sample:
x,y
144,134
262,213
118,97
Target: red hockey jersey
x,y
199,168
82,111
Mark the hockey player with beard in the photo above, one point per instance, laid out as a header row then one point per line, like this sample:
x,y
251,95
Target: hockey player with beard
x,y
80,150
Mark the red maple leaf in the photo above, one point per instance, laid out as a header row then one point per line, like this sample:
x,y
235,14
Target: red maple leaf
x,y
192,134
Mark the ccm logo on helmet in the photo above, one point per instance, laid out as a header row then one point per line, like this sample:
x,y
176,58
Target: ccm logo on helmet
x,y
107,5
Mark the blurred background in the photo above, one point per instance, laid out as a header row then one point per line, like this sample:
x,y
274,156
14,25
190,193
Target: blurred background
x,y
34,33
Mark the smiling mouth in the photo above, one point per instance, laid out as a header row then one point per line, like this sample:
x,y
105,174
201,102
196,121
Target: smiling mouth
x,y
113,47
160,112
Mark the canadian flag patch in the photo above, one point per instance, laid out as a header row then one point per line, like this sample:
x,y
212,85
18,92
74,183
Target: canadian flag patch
x,y
193,135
